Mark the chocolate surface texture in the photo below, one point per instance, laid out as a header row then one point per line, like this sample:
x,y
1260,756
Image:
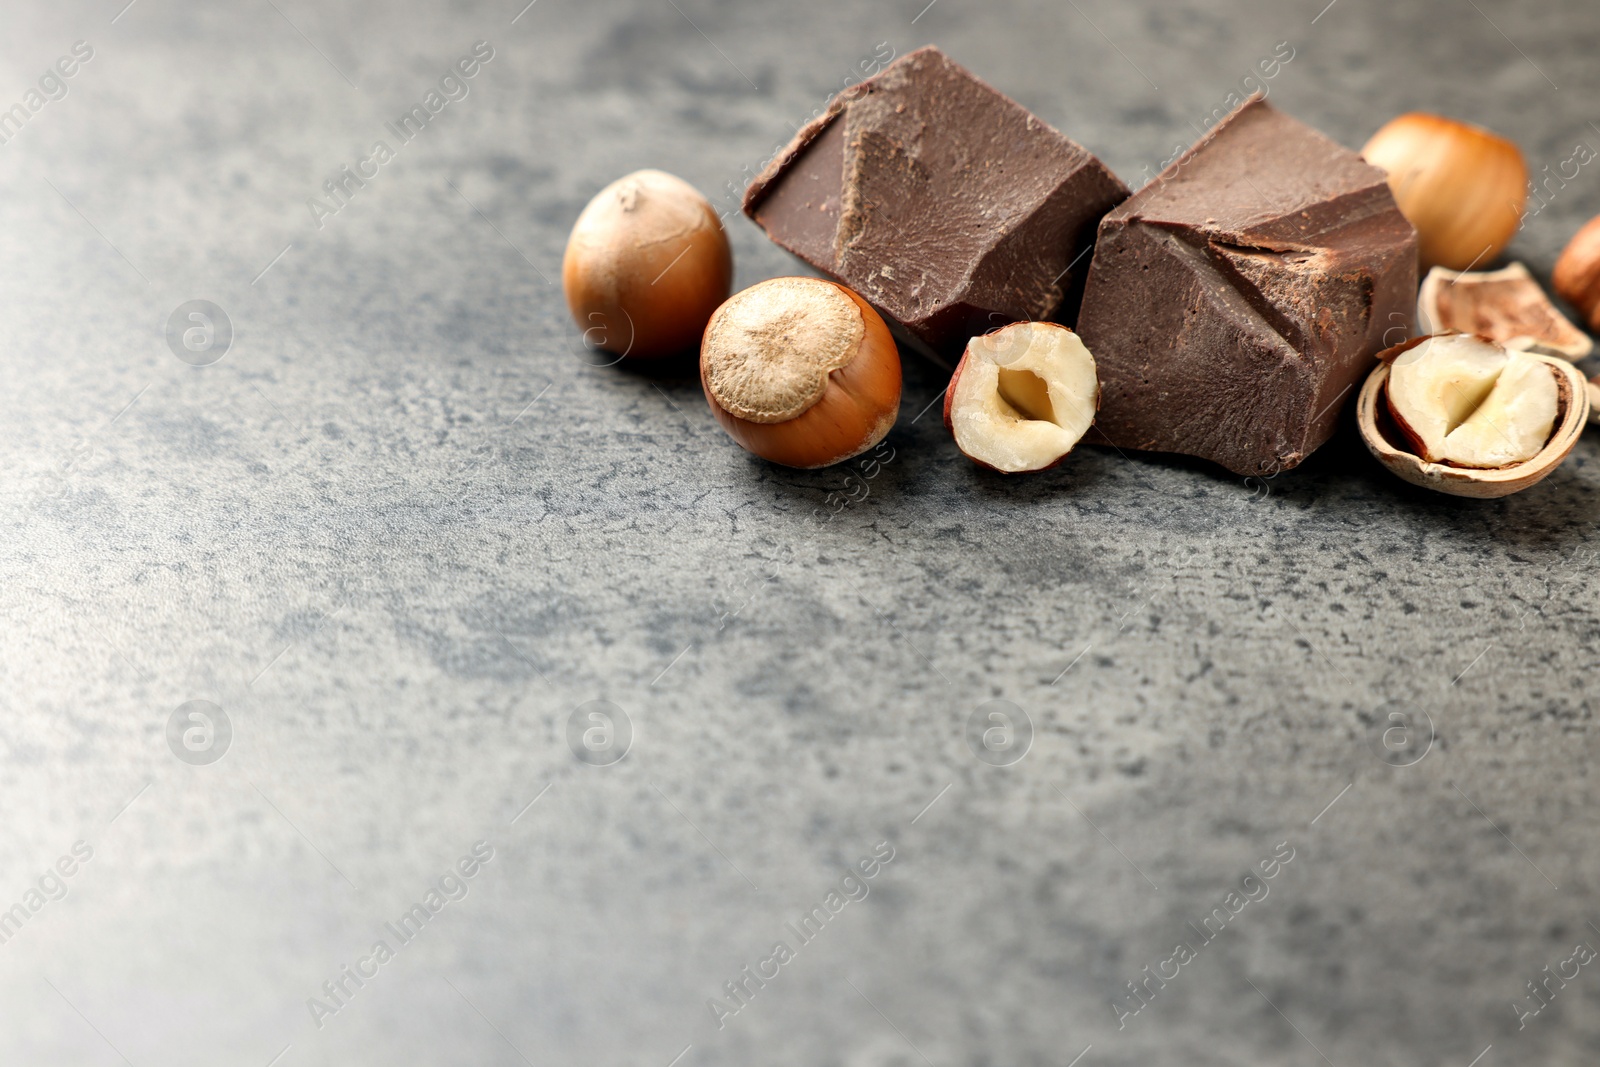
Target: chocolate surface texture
x,y
1235,303
948,206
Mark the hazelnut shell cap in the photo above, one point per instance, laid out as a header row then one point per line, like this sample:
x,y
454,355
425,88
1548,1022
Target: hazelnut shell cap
x,y
768,350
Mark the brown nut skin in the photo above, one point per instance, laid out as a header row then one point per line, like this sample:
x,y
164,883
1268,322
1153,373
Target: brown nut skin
x,y
1462,186
855,411
949,402
1577,275
1411,439
646,264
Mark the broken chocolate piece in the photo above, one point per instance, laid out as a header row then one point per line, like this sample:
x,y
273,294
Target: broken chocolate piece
x,y
1236,301
948,206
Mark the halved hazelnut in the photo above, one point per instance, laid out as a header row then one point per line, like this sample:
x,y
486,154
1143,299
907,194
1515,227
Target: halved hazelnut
x,y
1469,402
1394,448
1022,396
801,371
1506,305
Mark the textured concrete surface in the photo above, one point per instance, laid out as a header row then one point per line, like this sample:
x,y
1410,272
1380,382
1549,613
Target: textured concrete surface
x,y
405,527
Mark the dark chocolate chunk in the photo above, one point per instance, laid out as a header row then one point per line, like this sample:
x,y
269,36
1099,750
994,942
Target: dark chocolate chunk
x,y
948,206
1236,301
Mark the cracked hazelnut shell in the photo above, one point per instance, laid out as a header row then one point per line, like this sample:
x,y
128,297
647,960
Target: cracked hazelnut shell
x,y
1390,445
1506,305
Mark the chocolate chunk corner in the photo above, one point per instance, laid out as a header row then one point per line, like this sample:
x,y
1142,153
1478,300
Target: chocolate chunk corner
x,y
948,206
1235,303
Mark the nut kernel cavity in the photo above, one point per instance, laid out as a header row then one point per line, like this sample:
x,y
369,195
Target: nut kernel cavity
x,y
770,349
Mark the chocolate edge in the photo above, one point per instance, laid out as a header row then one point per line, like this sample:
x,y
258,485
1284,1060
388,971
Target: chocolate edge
x,y
761,184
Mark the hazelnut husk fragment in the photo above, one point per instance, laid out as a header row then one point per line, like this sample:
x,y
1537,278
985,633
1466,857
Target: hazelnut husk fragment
x,y
1577,275
801,371
1506,305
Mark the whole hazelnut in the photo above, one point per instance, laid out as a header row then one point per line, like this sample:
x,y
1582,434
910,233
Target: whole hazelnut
x,y
1460,185
801,371
1577,275
646,265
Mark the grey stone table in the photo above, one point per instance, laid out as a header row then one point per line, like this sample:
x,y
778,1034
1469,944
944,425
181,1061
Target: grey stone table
x,y
398,530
